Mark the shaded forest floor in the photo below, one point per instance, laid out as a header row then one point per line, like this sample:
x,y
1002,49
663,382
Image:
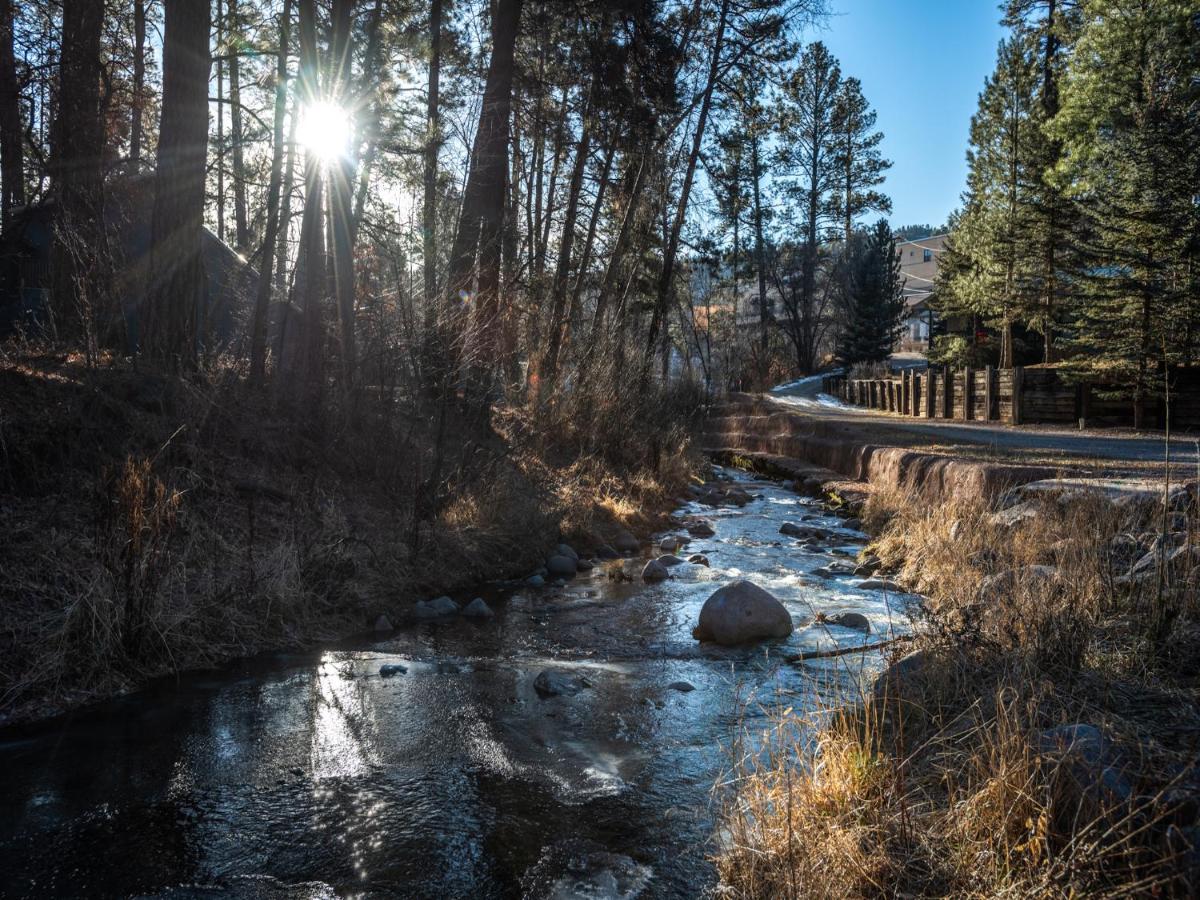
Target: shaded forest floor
x,y
154,524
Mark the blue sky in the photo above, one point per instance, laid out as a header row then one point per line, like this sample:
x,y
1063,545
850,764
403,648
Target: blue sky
x,y
922,67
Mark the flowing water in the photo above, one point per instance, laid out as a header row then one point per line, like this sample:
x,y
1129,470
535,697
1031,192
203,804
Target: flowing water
x,y
311,775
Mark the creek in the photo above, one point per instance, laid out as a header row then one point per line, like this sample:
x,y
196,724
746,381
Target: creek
x,y
311,775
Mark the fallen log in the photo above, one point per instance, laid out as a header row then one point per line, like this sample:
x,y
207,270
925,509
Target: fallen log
x,y
843,651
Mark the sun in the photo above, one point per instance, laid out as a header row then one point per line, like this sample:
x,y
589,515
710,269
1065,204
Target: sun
x,y
324,130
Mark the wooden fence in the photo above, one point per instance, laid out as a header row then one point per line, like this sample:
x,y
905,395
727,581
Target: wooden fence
x,y
1017,396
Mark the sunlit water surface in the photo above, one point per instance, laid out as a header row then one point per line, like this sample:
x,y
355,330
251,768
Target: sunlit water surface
x,y
312,776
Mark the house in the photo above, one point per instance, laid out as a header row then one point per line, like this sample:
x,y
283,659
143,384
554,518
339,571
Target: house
x,y
918,267
229,283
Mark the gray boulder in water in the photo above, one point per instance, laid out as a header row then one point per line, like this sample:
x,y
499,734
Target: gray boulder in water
x,y
740,613
440,606
655,571
478,609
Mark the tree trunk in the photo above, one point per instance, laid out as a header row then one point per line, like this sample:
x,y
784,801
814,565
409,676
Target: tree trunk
x,y
309,284
262,300
432,144
220,125
285,197
563,268
177,268
760,259
480,222
241,229
341,193
663,294
635,178
12,139
138,102
76,165
585,259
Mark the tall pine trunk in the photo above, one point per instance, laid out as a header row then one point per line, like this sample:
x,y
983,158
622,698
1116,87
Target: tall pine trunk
x,y
341,194
481,220
262,299
309,284
76,167
562,271
12,156
432,145
177,287
760,257
138,100
240,227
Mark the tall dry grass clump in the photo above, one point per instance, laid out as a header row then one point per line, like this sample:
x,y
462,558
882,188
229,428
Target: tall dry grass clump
x,y
1036,740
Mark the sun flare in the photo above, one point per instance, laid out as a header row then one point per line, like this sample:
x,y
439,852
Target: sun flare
x,y
324,129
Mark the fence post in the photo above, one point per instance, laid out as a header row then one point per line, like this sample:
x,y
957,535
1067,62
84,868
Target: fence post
x,y
968,393
989,393
1018,385
930,391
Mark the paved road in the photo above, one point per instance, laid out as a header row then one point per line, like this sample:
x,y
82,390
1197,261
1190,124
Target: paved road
x,y
804,397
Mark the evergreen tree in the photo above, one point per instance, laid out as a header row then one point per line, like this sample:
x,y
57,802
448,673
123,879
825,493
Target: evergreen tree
x,y
874,301
990,275
860,165
1130,127
808,157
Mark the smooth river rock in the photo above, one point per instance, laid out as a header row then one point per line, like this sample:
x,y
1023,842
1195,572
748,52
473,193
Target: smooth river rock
x,y
854,620
439,606
478,609
655,571
742,612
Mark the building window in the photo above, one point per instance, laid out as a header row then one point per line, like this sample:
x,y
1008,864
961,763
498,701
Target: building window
x,y
927,256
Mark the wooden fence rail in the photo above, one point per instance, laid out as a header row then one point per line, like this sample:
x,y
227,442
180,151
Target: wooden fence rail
x,y
1017,396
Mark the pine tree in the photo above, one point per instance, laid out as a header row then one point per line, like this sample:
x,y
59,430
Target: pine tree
x,y
861,167
874,301
1130,126
990,273
808,156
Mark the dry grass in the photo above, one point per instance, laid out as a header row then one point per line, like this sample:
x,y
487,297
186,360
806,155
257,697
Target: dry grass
x,y
943,779
153,524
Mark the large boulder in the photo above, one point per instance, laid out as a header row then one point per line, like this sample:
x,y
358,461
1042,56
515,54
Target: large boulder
x,y
566,550
701,529
561,565
383,623
655,571
668,560
740,613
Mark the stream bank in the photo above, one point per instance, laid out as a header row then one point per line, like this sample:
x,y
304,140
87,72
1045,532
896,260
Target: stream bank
x,y
313,775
